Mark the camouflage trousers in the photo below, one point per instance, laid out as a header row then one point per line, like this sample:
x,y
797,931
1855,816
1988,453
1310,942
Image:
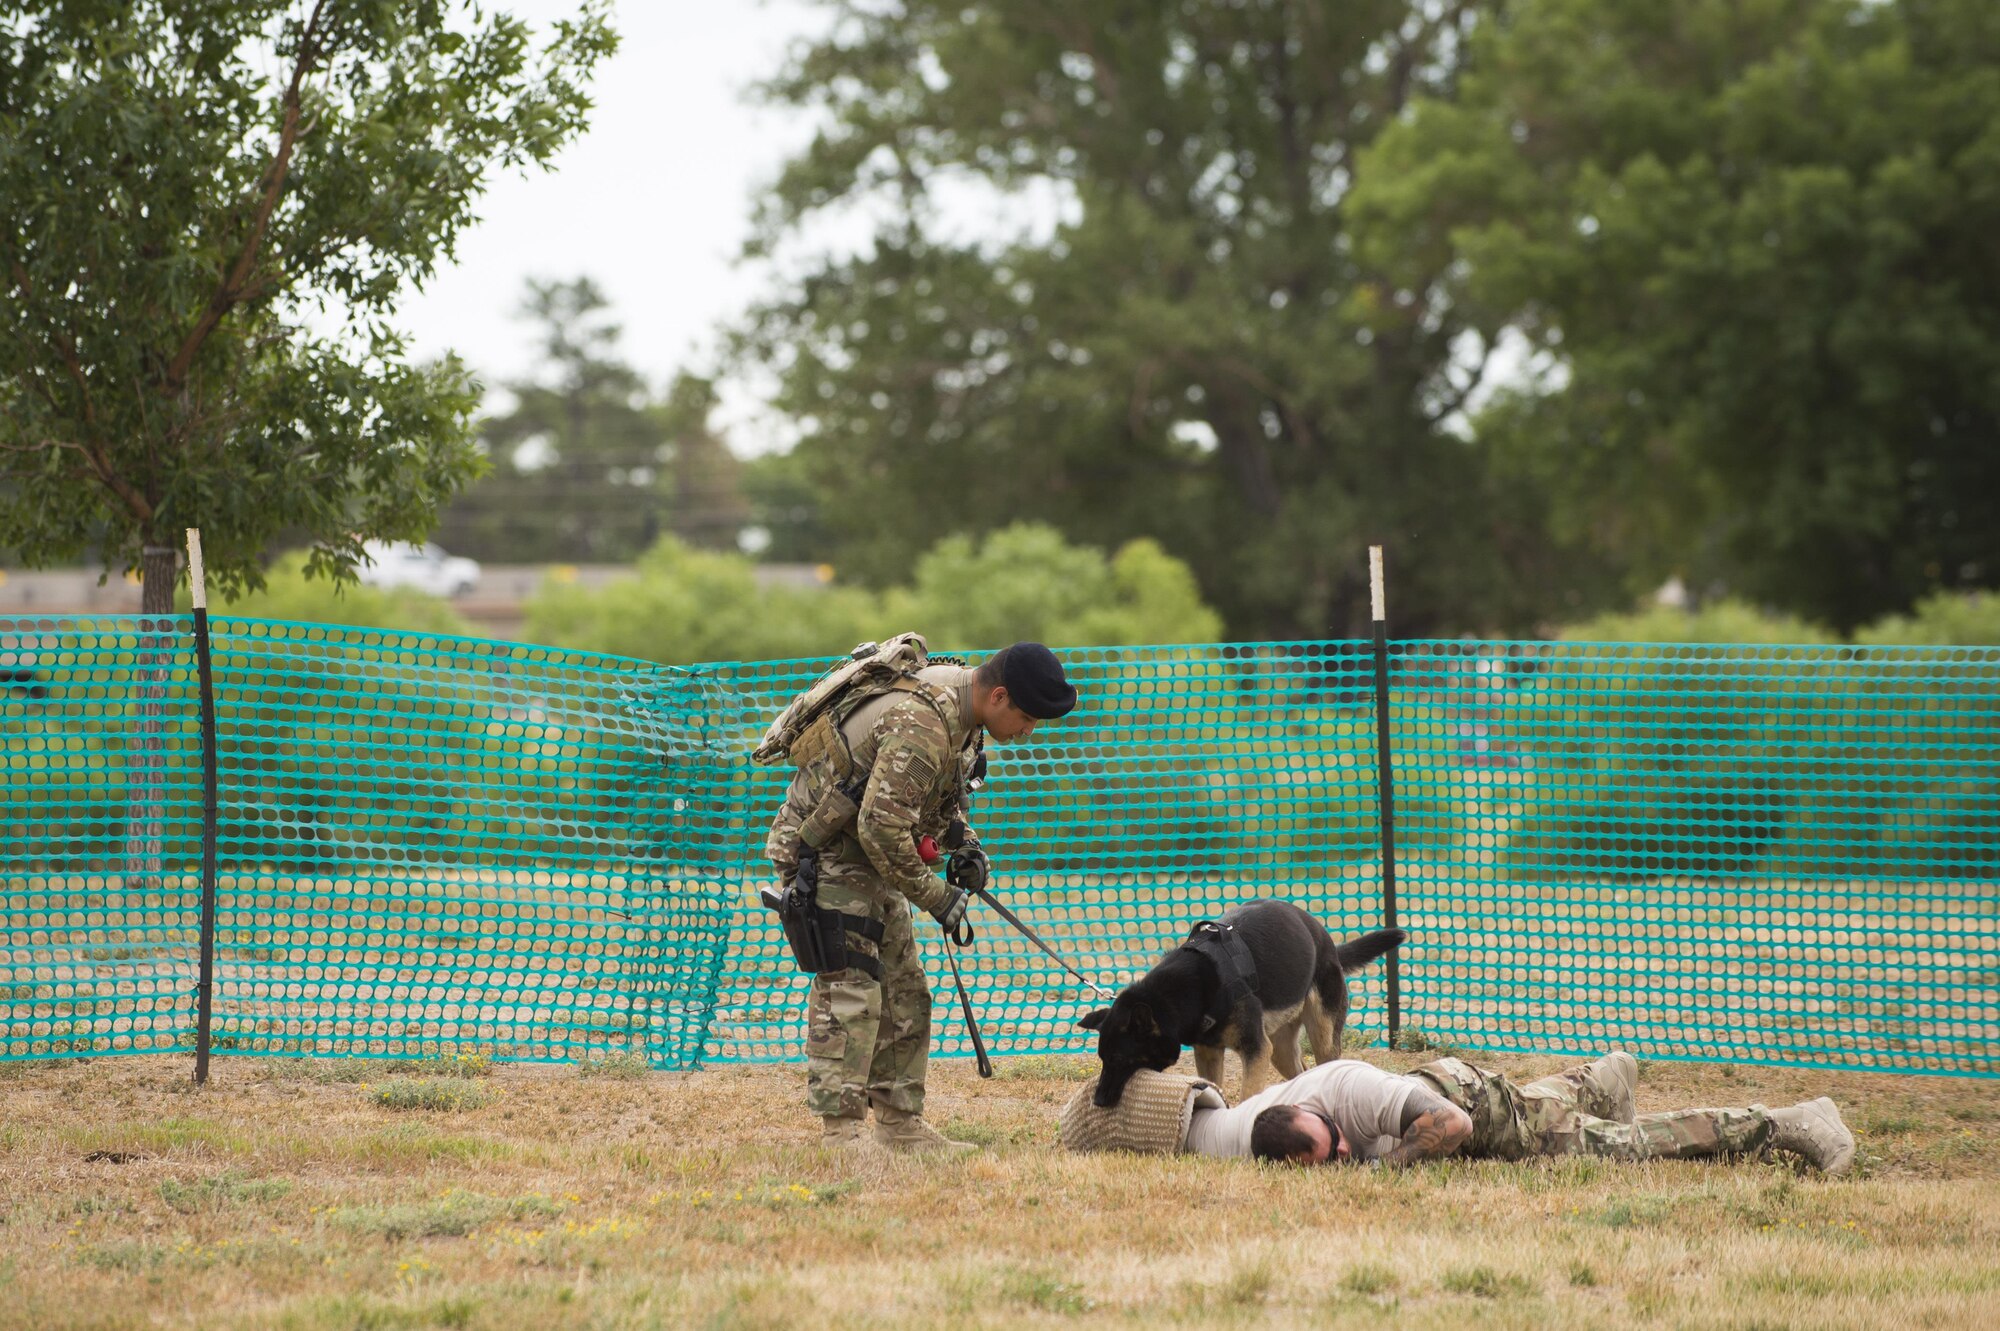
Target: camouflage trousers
x,y
1558,1115
869,1041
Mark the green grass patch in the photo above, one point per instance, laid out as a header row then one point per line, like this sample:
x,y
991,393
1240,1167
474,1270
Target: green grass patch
x,y
126,1256
443,1094
451,1214
229,1188
1034,1288
318,1071
162,1137
1368,1280
616,1067
979,1134
1483,1282
462,1067
417,1143
139,1257
1045,1067
360,1312
1247,1285
1416,1040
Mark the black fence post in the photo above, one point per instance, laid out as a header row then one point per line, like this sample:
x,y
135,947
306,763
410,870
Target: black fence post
x,y
1385,779
205,983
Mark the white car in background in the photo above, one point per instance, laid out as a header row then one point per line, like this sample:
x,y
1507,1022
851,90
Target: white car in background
x,y
423,567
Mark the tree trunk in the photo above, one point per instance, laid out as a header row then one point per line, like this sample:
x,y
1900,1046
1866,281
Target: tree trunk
x,y
158,568
146,756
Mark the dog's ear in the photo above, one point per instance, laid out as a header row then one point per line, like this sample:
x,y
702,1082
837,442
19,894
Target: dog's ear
x,y
1095,1021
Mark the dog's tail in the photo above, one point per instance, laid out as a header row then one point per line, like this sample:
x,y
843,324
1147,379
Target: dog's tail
x,y
1358,953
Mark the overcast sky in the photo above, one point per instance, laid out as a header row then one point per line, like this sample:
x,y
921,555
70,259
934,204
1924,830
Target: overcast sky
x,y
653,201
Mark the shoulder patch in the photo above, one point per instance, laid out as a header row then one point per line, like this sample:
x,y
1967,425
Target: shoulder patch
x,y
922,770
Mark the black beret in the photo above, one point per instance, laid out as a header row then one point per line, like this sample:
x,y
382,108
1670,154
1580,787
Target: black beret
x,y
1034,680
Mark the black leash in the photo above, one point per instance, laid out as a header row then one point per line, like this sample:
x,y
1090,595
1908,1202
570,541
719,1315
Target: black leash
x,y
965,1002
1034,938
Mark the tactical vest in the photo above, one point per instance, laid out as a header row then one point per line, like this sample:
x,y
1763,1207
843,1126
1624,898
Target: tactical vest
x,y
809,727
810,730
1234,965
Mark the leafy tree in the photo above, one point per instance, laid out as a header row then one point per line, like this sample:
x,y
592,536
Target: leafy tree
x,y
179,182
786,509
587,465
1198,353
684,605
1758,239
709,508
1025,581
574,462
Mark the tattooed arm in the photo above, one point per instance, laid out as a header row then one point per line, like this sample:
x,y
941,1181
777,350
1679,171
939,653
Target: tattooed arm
x,y
1432,1129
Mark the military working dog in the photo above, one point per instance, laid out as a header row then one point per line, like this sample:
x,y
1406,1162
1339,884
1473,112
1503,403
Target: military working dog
x,y
1248,981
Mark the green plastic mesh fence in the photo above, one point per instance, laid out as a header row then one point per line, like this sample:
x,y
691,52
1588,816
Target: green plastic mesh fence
x,y
424,843
1756,853
1188,779
1772,854
100,821
1748,853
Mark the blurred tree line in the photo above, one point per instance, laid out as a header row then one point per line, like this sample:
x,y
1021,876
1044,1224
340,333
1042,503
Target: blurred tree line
x,y
683,604
1557,299
589,464
1741,251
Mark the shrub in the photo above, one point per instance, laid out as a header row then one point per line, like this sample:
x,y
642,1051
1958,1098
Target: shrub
x,y
1948,619
449,1094
684,606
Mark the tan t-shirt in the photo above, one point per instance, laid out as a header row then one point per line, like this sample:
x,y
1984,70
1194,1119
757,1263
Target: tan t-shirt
x,y
1363,1101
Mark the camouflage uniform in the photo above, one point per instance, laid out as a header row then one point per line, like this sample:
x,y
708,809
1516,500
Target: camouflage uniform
x,y
868,1041
1558,1115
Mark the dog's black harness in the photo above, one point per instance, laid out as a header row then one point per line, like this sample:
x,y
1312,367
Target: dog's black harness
x,y
1234,965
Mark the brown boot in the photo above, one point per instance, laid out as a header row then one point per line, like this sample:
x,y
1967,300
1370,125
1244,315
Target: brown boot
x,y
849,1135
1813,1130
908,1134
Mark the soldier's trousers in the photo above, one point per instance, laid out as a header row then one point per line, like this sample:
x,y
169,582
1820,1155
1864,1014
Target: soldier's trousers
x,y
1554,1116
868,1041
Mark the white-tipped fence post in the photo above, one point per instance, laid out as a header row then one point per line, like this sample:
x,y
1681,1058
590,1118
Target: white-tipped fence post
x,y
1385,777
205,980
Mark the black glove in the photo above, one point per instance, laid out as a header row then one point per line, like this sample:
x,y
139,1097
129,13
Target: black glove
x,y
968,867
951,911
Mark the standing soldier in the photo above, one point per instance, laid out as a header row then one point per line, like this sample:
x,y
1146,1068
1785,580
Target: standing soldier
x,y
916,748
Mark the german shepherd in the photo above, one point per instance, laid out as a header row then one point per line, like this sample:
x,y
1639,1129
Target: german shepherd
x,y
1301,981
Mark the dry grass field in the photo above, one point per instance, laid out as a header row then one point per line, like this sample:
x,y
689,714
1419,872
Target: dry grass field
x,y
348,1195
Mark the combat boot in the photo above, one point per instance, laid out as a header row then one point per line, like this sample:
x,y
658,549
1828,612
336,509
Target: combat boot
x,y
1813,1130
908,1134
1614,1082
849,1135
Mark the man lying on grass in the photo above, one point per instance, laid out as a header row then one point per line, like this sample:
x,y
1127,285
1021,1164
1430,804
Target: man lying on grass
x,y
1346,1111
